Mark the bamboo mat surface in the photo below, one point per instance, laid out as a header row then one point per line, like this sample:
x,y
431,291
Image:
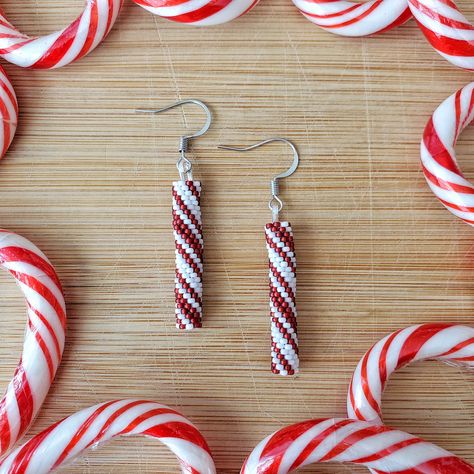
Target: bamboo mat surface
x,y
88,181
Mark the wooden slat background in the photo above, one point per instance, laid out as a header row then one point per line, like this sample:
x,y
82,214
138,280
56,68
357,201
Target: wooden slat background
x,y
88,181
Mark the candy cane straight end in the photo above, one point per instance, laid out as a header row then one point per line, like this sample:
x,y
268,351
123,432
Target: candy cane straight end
x,y
187,230
44,336
71,437
437,341
206,13
63,47
447,29
438,155
380,448
282,284
9,112
355,19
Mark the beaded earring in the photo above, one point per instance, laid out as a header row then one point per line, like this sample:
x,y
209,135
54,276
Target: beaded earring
x,y
282,274
187,230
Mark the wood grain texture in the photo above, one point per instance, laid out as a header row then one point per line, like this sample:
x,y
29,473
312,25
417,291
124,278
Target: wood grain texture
x,y
89,182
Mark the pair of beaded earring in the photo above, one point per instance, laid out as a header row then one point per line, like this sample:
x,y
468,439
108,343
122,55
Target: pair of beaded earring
x,y
189,244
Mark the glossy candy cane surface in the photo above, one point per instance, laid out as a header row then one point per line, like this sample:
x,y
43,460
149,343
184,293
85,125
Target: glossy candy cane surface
x,y
282,283
187,230
445,342
348,18
44,336
8,111
62,47
68,439
198,12
447,29
438,155
380,448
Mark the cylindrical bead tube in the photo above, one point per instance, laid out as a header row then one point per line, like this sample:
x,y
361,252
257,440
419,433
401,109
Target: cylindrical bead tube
x,y
282,276
187,229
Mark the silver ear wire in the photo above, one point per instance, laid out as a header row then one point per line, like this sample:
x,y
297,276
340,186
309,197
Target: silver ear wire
x,y
275,204
184,165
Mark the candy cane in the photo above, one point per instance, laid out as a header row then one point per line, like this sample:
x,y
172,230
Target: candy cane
x,y
198,12
438,155
445,342
8,111
447,29
347,18
44,336
282,276
69,438
187,229
63,47
380,448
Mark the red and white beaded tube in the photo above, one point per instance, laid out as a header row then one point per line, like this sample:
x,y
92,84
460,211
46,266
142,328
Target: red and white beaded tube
x,y
447,29
44,336
438,155
58,49
445,342
8,112
348,18
380,448
282,276
187,230
198,12
68,439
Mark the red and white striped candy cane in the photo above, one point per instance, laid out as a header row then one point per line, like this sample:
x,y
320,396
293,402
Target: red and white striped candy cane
x,y
198,12
68,439
187,230
438,155
348,18
380,448
445,342
447,29
58,49
44,336
282,276
8,111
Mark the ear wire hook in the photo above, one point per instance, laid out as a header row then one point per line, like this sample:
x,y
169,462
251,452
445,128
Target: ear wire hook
x,y
275,204
184,165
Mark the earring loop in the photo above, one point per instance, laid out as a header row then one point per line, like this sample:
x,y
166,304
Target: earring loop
x,y
63,47
347,18
198,12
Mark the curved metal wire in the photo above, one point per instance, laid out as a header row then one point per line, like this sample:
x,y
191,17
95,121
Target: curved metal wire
x,y
275,204
184,165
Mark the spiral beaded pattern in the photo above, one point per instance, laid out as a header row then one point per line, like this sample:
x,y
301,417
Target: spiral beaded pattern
x,y
447,29
347,18
8,111
66,440
282,276
198,12
62,47
380,448
44,336
438,155
444,342
187,229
